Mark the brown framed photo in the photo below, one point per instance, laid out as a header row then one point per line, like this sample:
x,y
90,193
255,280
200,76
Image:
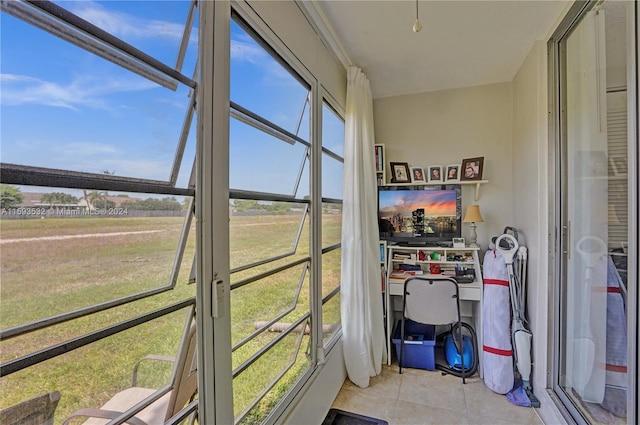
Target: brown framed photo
x,y
417,175
400,172
471,168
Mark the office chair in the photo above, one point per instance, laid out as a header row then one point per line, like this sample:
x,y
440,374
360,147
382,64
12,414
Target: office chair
x,y
433,301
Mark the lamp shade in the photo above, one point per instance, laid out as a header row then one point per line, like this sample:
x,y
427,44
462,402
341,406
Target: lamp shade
x,y
472,215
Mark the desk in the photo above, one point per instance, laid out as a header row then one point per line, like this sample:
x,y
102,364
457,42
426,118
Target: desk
x,y
448,258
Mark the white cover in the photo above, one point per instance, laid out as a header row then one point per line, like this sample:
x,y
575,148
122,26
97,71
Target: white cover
x,y
616,330
360,297
497,359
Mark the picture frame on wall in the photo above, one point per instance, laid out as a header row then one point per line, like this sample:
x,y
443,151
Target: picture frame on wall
x,y
379,157
435,174
452,173
400,172
417,175
471,168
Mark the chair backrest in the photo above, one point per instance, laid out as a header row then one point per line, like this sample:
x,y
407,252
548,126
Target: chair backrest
x,y
185,374
434,301
38,410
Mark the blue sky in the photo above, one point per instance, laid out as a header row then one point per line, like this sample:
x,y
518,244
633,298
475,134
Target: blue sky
x,y
62,107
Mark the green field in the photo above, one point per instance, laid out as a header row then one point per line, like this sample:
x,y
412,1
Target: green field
x,y
44,274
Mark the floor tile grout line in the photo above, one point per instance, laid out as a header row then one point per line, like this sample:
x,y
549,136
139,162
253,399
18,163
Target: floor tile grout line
x,y
466,405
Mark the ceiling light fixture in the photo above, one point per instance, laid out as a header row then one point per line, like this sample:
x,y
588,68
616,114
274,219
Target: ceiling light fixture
x,y
417,26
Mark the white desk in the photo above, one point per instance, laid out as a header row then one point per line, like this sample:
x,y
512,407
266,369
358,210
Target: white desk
x,y
470,293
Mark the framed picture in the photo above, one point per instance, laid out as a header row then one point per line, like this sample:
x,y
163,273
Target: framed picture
x,y
435,173
400,172
417,175
471,168
453,173
379,155
458,242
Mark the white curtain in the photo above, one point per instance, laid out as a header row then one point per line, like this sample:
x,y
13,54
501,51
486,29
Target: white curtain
x,y
360,294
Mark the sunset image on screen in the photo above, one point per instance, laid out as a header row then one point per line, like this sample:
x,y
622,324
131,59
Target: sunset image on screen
x,y
436,203
423,213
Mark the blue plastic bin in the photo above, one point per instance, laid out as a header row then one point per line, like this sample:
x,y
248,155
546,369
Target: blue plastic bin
x,y
419,345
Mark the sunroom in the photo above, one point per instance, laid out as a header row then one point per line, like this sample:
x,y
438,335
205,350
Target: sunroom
x,y
179,168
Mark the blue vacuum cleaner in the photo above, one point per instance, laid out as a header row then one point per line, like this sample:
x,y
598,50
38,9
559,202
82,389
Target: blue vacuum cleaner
x,y
452,352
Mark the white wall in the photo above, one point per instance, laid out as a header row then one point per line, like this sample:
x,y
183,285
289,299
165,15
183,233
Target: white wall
x,y
530,191
444,127
312,405
530,203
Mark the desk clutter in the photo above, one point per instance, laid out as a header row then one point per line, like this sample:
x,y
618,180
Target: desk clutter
x,y
461,264
443,262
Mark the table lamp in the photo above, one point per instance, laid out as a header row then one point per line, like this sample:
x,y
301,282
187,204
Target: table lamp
x,y
472,215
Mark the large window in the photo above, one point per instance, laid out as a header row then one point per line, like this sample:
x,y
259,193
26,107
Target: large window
x,y
96,231
595,319
332,172
273,306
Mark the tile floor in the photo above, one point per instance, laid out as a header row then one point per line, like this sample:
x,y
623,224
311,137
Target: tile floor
x,y
427,397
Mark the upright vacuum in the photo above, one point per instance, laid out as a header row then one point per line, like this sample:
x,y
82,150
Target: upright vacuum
x,y
508,246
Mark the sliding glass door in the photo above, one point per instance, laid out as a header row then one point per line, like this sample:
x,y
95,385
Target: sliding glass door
x,y
592,215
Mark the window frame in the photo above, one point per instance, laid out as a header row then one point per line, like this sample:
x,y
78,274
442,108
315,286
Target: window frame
x,y
60,22
559,233
278,49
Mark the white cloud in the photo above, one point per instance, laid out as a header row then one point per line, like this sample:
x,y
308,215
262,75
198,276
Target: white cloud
x,y
81,91
124,25
274,73
247,52
22,89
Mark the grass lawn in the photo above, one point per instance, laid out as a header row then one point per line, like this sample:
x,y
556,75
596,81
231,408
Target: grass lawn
x,y
44,277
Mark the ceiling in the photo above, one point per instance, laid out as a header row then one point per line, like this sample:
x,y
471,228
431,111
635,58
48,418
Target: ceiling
x,y
462,43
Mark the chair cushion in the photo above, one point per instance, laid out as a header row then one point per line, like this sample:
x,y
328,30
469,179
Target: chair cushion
x,y
124,400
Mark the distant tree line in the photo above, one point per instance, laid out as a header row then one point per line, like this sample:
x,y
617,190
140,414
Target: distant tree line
x,y
169,203
11,197
243,205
